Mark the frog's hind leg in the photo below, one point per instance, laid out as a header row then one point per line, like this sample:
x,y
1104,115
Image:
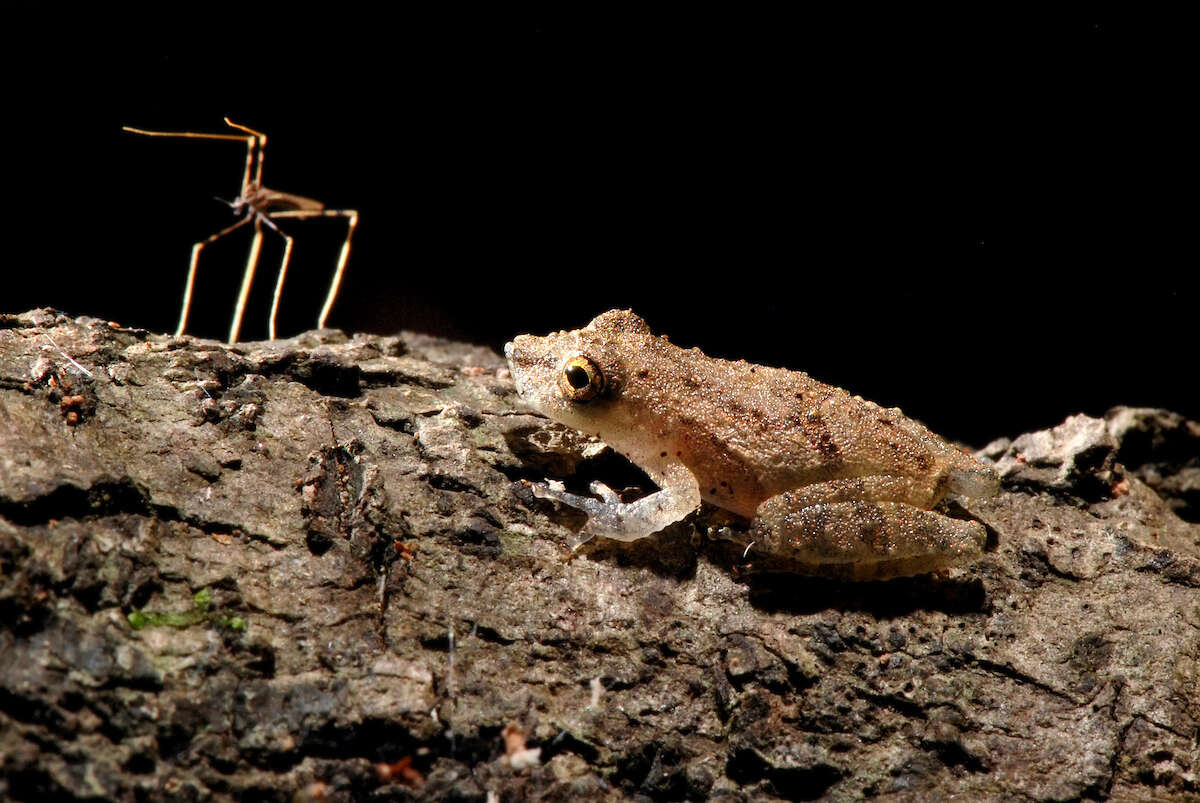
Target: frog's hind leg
x,y
864,540
922,492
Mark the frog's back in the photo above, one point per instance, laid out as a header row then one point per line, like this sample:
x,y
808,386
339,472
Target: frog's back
x,y
750,431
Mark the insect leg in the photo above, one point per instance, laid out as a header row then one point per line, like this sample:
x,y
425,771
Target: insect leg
x,y
257,137
351,216
283,266
250,143
247,280
191,276
334,285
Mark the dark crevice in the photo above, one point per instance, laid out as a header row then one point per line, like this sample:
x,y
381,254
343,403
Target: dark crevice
x,y
567,742
746,766
392,378
19,385
319,372
140,764
108,498
403,424
379,740
1019,677
955,754
439,643
1039,563
328,376
1103,787
898,704
144,682
773,591
654,770
318,542
30,783
444,482
489,635
31,711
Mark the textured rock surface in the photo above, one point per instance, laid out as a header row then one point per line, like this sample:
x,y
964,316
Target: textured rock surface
x,y
308,569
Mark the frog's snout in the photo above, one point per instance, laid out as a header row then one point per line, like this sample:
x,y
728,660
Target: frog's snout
x,y
518,363
509,349
517,355
523,351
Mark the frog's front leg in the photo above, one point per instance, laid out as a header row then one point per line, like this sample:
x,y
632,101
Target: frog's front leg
x,y
678,496
863,540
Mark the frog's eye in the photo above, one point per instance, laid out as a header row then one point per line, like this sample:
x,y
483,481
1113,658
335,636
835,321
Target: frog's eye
x,y
580,379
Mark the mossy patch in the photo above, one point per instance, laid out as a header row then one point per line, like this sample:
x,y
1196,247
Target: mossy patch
x,y
200,613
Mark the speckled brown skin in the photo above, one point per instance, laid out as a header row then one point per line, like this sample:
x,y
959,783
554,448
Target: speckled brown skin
x,y
828,478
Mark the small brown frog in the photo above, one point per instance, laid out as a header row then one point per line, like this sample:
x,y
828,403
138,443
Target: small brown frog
x,y
834,485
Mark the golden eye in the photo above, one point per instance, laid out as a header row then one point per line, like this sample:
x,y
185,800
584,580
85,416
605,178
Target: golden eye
x,y
580,379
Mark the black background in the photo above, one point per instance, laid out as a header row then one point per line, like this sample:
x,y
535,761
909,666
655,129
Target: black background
x,y
986,218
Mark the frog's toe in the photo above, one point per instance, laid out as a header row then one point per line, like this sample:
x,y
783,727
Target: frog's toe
x,y
975,483
578,540
557,492
604,492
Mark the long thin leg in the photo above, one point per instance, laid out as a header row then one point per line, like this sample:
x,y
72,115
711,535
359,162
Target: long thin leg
x,y
247,280
191,276
337,274
351,216
262,148
283,266
250,143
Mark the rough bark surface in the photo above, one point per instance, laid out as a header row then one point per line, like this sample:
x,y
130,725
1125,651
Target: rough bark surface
x,y
309,570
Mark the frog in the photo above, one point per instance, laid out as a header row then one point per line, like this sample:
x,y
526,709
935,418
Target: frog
x,y
831,484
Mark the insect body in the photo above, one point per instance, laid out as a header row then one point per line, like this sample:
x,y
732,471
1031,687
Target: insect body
x,y
261,206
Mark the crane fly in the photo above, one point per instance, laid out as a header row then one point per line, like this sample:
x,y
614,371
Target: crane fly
x,y
262,206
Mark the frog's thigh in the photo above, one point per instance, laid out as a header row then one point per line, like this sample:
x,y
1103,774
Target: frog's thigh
x,y
874,488
861,532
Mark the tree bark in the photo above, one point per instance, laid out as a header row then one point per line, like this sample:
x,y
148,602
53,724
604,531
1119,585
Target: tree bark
x,y
309,570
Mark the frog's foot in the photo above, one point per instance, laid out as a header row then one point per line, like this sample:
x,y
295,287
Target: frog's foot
x,y
628,521
865,540
598,510
976,483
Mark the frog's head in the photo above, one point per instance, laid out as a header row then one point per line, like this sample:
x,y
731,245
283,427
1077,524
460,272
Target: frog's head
x,y
577,377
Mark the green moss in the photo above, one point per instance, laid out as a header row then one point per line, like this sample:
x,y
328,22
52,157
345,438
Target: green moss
x,y
200,613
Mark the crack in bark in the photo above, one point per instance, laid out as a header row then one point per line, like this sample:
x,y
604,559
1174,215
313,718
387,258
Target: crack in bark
x,y
1010,672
